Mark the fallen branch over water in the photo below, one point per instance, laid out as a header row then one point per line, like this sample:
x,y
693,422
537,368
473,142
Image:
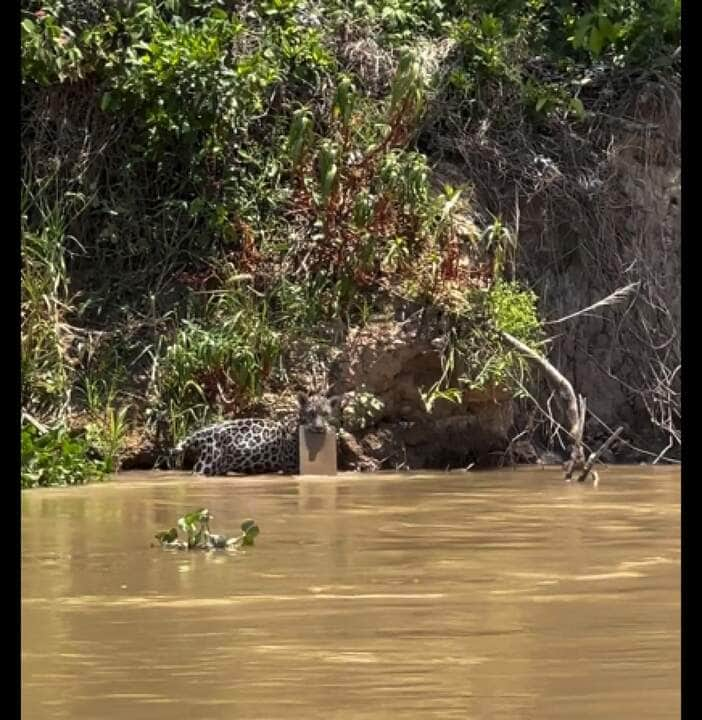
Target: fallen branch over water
x,y
594,457
576,406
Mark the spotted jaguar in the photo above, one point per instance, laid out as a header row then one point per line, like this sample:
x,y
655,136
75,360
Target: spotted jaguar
x,y
256,445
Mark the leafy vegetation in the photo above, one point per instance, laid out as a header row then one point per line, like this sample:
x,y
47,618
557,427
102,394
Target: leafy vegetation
x,y
206,184
195,526
56,458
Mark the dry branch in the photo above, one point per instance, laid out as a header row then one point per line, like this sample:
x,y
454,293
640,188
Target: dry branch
x,y
561,383
33,421
618,296
576,406
596,455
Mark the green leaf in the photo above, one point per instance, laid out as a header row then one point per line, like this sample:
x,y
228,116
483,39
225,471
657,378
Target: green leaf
x,y
596,41
328,180
581,30
606,29
105,102
247,524
450,204
190,524
577,108
250,535
167,535
250,530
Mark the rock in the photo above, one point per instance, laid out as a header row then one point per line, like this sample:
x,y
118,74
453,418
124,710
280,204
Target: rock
x,y
143,457
388,365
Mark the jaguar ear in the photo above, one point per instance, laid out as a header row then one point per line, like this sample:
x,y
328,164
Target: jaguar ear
x,y
302,398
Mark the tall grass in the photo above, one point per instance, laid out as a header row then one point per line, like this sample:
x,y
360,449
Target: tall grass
x,y
47,372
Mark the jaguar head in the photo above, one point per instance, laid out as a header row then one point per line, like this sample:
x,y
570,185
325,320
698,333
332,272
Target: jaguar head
x,y
317,411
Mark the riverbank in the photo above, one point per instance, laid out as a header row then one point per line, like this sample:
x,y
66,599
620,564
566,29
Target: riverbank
x,y
221,207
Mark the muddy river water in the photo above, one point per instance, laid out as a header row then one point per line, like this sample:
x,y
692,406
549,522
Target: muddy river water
x,y
473,595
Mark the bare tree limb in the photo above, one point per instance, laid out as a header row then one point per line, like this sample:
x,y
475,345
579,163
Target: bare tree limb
x,y
576,406
618,296
33,421
561,383
596,455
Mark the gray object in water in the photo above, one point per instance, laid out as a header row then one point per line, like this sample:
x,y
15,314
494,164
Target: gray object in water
x,y
317,452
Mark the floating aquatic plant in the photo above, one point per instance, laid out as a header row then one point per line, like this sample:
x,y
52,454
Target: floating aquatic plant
x,y
195,526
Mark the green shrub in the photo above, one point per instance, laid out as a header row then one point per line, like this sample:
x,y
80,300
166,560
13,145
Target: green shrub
x,y
512,309
219,363
56,458
630,31
106,433
187,79
489,362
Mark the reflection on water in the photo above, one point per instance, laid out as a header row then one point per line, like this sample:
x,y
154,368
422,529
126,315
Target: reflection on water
x,y
495,595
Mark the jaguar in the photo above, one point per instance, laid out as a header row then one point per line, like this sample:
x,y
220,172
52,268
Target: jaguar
x,y
257,445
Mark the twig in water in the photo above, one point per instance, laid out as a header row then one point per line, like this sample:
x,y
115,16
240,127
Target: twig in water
x,y
595,456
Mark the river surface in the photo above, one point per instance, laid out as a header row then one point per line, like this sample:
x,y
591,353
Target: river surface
x,y
472,595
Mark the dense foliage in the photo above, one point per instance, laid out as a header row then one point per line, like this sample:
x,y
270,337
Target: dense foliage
x,y
56,458
205,182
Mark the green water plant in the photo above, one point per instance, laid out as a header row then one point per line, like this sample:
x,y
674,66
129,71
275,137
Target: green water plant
x,y
195,526
57,458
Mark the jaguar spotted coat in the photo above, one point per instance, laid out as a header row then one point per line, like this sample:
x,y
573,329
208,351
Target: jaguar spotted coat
x,y
256,445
